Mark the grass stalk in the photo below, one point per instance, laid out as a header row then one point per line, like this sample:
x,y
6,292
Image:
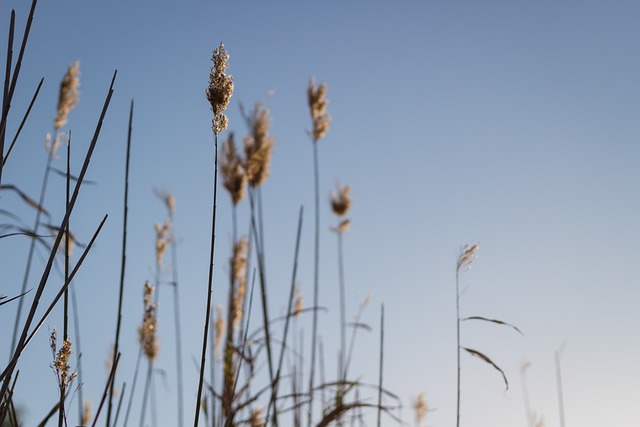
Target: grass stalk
x,y
178,327
203,358
24,120
559,387
381,363
133,388
458,345
316,279
123,262
272,403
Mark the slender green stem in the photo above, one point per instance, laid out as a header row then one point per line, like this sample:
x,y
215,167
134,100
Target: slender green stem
x,y
178,327
316,279
123,261
203,358
343,312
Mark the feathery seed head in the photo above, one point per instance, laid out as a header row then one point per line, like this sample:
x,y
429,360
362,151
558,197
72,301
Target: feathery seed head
x,y
53,147
163,239
257,419
258,146
232,170
467,256
343,227
340,200
220,88
147,332
239,267
60,364
316,97
86,413
421,407
68,95
167,198
298,306
219,326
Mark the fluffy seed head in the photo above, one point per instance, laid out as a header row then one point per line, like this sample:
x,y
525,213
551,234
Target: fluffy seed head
x,y
53,147
167,198
60,364
147,332
257,419
421,407
163,239
299,303
316,96
467,256
232,171
343,227
340,200
68,96
219,325
258,146
239,268
220,88
86,413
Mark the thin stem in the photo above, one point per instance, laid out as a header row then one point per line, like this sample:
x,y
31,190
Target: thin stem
x,y
287,321
203,359
178,327
458,344
123,261
316,278
133,388
559,386
76,328
145,394
343,315
381,363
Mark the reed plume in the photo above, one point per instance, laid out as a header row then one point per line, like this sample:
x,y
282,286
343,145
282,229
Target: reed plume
x,y
257,419
163,239
232,170
147,335
341,200
316,97
220,89
258,146
219,325
68,96
421,408
60,364
239,265
86,413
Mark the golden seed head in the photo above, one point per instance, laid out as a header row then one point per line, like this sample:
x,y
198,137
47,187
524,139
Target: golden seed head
x,y
343,227
219,325
340,200
256,419
298,306
258,146
147,332
163,239
61,360
220,88
86,413
239,268
167,198
467,256
68,96
316,96
232,170
421,407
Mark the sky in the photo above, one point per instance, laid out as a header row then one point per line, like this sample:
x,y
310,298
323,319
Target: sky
x,y
508,123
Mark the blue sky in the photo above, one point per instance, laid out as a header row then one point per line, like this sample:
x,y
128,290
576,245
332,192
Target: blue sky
x,y
512,124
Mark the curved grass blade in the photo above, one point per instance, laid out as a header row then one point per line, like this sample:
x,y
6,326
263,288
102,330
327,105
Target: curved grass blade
x,y
24,197
499,322
476,353
11,299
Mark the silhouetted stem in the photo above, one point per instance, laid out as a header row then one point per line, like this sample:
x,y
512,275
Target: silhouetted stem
x,y
316,278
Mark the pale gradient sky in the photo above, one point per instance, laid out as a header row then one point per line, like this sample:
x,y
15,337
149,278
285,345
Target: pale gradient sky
x,y
509,123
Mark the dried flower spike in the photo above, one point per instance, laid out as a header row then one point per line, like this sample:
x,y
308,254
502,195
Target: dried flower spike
x,y
53,147
60,364
86,413
220,88
167,198
343,227
299,303
232,170
219,325
147,332
163,239
316,96
467,256
258,146
340,200
257,419
238,266
68,96
421,408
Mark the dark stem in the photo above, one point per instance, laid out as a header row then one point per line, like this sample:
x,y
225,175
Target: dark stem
x,y
287,321
5,93
123,261
133,388
316,275
203,359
